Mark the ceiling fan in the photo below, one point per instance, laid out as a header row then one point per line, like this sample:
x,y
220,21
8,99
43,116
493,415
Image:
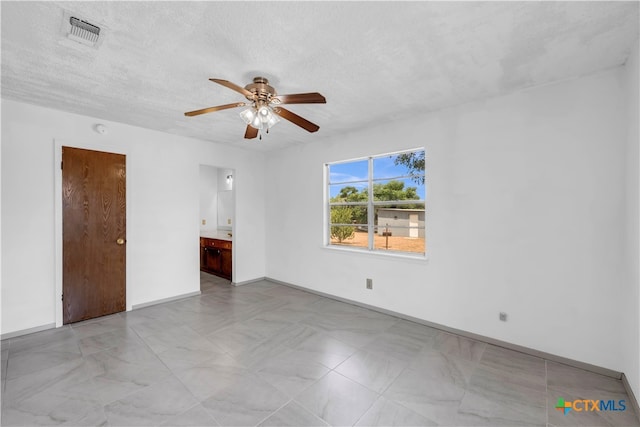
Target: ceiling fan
x,y
265,106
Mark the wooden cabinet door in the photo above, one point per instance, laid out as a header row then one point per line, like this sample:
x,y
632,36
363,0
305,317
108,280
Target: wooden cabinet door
x,y
93,234
212,259
225,263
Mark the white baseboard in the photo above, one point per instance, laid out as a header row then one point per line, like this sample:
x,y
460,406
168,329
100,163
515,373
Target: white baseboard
x,y
632,396
162,301
135,307
532,352
246,282
27,331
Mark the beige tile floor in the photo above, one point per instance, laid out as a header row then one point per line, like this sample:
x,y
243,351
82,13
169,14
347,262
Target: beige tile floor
x,y
270,355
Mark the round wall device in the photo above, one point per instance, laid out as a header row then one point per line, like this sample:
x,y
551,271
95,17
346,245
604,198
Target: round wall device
x,y
100,128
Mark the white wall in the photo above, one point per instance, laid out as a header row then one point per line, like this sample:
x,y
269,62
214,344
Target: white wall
x,y
630,300
162,227
524,215
208,197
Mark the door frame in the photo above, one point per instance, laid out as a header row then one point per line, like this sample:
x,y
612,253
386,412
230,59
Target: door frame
x,y
96,146
234,227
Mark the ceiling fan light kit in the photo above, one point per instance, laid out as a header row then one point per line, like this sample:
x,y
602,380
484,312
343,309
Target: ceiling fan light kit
x,y
262,118
264,107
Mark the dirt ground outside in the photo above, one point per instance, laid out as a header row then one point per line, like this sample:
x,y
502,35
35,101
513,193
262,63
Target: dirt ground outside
x,y
404,244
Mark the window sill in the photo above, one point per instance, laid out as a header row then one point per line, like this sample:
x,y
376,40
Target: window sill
x,y
379,253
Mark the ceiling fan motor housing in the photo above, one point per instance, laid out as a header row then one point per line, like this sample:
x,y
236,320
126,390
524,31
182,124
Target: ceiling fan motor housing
x,y
261,88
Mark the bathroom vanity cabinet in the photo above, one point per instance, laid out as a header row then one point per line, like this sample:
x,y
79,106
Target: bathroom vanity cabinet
x,y
215,257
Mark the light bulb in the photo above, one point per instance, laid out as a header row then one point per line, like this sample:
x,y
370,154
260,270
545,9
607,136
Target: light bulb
x,y
256,122
264,114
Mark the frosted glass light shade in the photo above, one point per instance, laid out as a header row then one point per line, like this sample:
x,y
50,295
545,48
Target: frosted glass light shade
x,y
262,118
248,115
256,122
268,117
272,120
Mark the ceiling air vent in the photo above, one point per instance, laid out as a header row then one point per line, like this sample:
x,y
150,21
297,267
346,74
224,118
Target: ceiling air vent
x,y
80,30
83,32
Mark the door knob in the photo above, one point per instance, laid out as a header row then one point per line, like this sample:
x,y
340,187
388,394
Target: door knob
x,y
120,241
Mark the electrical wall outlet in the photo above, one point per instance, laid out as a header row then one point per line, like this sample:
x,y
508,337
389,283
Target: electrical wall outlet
x,y
228,220
369,283
503,316
204,222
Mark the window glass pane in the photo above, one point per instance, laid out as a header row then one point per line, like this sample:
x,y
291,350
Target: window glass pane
x,y
397,165
351,215
356,233
355,237
351,192
398,189
399,229
349,172
398,205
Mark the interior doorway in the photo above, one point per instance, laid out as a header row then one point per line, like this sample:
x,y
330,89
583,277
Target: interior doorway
x,y
93,234
217,187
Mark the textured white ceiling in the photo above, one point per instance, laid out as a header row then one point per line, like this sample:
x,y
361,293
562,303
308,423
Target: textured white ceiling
x,y
373,61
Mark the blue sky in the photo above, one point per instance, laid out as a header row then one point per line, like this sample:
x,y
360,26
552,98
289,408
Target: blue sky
x,y
383,167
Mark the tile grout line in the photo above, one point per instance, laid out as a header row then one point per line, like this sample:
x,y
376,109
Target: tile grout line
x,y
301,404
266,309
172,374
375,392
249,369
276,411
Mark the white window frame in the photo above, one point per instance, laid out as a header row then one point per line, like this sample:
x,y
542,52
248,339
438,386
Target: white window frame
x,y
371,205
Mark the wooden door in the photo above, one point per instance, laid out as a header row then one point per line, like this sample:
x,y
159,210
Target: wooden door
x,y
93,234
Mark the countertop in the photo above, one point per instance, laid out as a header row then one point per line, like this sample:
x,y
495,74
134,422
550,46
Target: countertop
x,y
216,234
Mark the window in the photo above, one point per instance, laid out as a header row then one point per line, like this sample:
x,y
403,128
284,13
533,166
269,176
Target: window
x,y
378,203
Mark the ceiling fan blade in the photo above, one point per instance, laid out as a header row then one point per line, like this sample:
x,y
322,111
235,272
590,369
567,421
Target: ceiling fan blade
x,y
300,98
251,132
296,119
212,109
233,86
